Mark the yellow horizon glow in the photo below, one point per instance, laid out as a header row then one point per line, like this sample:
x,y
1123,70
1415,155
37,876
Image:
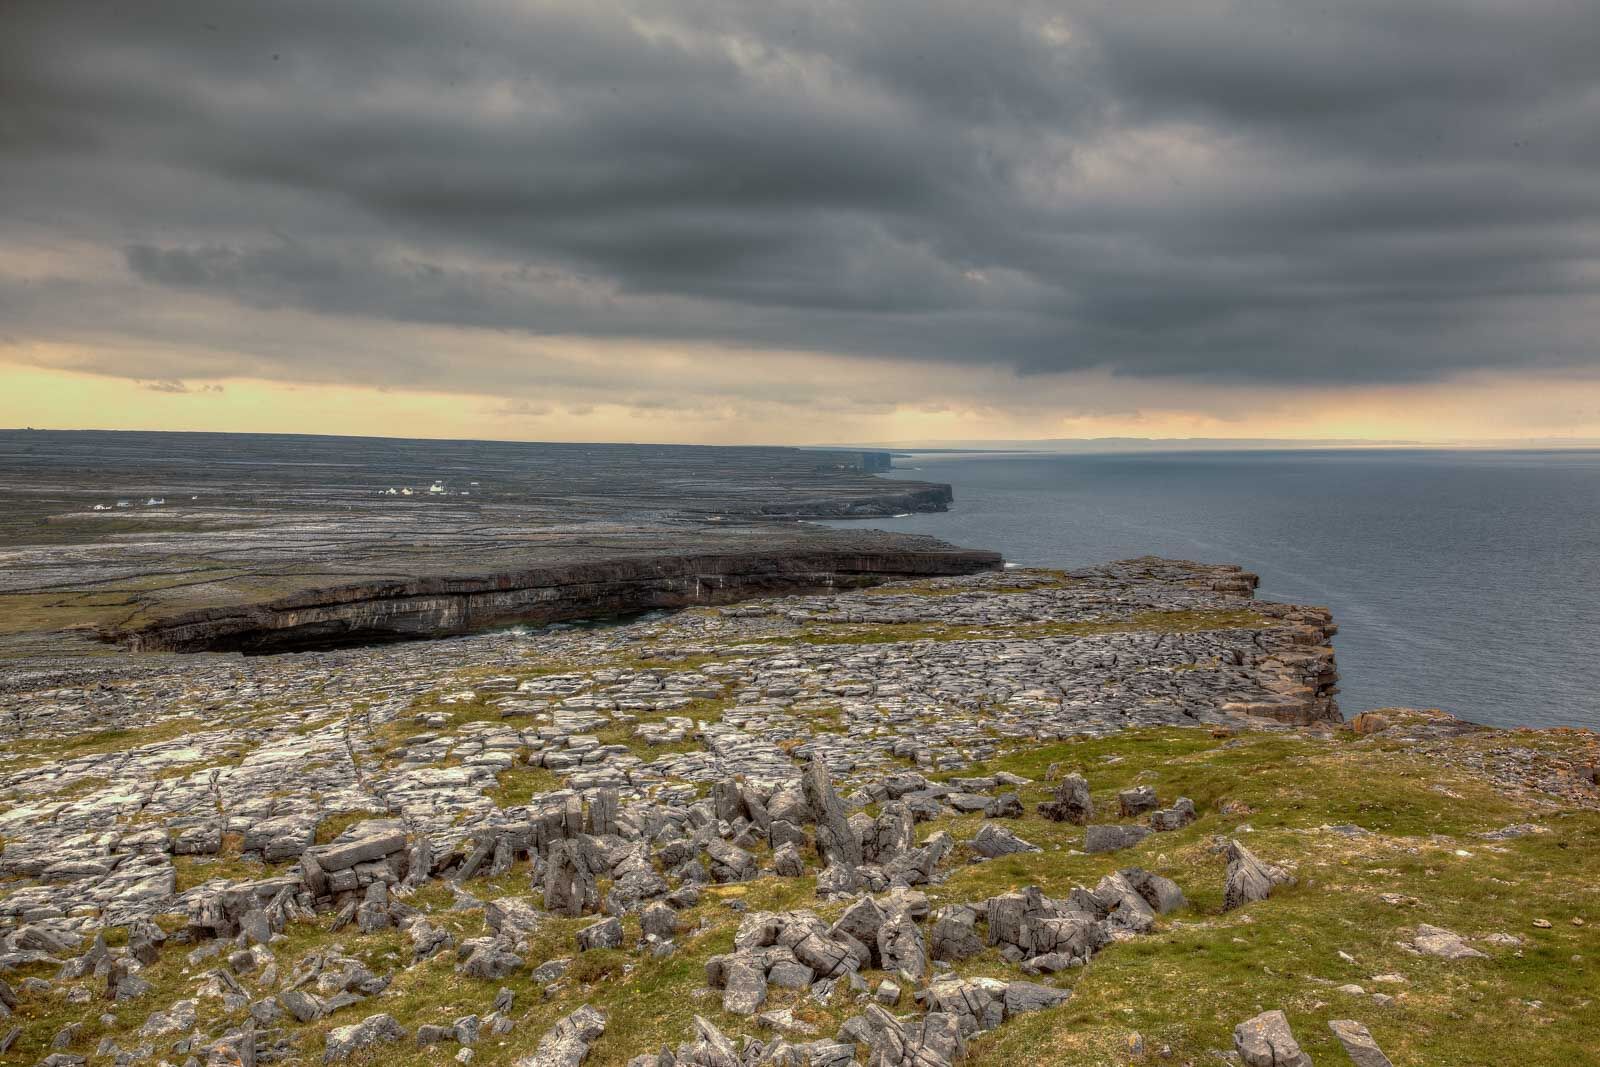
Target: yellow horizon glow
x,y
1481,409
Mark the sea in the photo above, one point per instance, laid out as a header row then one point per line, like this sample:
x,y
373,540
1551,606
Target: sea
x,y
1462,580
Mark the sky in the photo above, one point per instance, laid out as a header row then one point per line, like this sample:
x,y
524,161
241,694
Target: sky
x,y
903,220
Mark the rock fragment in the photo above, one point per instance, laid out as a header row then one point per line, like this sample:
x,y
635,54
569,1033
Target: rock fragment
x,y
345,1041
1112,837
1445,944
836,842
1248,879
992,841
1266,1041
1072,802
566,1044
1358,1043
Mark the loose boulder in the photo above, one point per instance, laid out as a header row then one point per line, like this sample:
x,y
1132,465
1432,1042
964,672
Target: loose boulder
x,y
1249,879
1445,944
1266,1041
1358,1043
1112,837
566,1044
1071,804
345,1041
992,841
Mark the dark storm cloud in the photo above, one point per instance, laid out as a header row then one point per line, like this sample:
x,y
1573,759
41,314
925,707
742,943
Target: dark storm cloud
x,y
1362,191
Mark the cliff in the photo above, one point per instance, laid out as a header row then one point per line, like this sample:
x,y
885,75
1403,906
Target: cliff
x,y
367,613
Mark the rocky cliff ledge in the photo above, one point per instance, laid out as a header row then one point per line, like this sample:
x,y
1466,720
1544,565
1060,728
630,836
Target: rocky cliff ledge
x,y
370,613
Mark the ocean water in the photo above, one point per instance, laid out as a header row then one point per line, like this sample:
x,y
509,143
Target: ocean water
x,y
1468,581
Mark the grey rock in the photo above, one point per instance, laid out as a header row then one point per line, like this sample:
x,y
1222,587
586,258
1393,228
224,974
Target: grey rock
x,y
1126,909
607,933
1248,879
566,1044
569,884
658,920
836,842
490,962
513,916
745,989
131,987
236,1049
343,855
976,1004
1023,997
826,956
933,1040
1162,894
730,863
1178,816
1075,935
862,920
900,947
1136,801
1111,837
1005,806
711,1047
1266,1041
836,880
786,861
1358,1043
429,1034
954,935
891,834
1072,803
787,975
549,971
345,1041
992,841
1445,944
302,1005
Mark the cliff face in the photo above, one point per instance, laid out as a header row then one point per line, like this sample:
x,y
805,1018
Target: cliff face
x,y
1303,678
375,612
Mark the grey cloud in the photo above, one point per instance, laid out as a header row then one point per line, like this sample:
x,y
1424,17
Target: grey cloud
x,y
1238,191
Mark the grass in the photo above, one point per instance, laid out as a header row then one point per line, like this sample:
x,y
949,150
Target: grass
x,y
184,770
34,751
227,864
1057,579
332,826
392,735
79,788
520,785
623,734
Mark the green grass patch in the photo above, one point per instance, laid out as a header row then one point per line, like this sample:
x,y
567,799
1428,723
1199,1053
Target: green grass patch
x,y
332,826
520,785
98,742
